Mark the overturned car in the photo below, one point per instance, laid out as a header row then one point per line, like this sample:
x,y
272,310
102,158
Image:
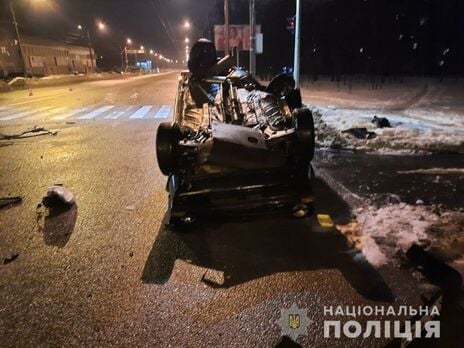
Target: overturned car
x,y
235,146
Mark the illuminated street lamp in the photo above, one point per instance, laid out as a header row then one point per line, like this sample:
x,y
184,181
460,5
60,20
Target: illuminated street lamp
x,y
129,41
191,28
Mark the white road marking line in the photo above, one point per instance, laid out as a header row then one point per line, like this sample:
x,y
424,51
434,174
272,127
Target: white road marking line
x,y
70,114
164,112
25,113
7,112
96,113
142,112
118,113
15,116
52,111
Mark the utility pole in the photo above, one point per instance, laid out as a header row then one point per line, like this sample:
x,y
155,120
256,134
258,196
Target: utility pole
x,y
126,58
296,63
252,38
18,39
226,26
90,50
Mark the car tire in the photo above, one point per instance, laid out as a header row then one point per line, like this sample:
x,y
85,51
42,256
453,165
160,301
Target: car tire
x,y
165,148
304,125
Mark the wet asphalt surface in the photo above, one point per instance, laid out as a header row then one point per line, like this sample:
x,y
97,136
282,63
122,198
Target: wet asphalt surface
x,y
108,272
377,178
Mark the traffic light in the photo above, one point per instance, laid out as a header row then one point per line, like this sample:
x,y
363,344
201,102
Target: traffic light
x,y
291,24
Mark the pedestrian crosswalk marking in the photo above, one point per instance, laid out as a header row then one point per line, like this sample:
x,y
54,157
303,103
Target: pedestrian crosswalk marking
x,y
15,116
96,113
25,113
7,111
108,112
142,112
163,112
117,113
70,114
50,111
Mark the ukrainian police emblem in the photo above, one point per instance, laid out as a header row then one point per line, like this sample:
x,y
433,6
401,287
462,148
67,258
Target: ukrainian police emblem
x,y
294,322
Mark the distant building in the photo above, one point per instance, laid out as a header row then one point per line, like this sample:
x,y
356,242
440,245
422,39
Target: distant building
x,y
44,57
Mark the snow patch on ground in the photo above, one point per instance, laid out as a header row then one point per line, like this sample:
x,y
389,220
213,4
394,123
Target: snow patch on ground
x,y
433,171
385,234
421,133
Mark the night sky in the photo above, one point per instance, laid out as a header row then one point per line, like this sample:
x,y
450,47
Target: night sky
x,y
339,36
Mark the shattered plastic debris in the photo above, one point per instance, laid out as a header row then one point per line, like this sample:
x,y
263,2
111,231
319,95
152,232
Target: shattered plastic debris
x,y
7,201
58,195
381,122
360,133
34,132
325,220
10,259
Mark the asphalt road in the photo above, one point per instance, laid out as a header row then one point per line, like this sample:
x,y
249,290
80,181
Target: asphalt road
x,y
108,272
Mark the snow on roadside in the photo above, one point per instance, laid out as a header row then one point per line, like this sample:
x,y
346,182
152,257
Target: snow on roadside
x,y
385,234
411,133
433,171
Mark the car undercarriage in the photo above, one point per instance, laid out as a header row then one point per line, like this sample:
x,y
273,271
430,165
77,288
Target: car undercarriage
x,y
236,146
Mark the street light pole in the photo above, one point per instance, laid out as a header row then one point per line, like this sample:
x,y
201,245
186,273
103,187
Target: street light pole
x,y
296,64
226,26
90,50
252,38
18,39
126,58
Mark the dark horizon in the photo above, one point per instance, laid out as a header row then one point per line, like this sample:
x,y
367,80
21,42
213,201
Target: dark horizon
x,y
384,37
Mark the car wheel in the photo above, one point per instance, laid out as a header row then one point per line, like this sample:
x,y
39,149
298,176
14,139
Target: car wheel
x,y
165,142
304,124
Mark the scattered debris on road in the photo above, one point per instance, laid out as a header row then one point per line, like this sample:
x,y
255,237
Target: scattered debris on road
x,y
360,133
58,195
34,132
58,225
381,122
7,201
10,259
